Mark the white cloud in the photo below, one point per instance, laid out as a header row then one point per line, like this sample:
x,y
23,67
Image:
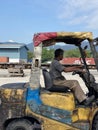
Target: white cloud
x,y
79,12
11,41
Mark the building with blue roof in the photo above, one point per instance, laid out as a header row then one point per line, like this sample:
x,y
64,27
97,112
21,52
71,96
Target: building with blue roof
x,y
16,52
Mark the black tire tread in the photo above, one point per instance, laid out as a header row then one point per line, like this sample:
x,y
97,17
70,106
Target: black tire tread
x,y
27,125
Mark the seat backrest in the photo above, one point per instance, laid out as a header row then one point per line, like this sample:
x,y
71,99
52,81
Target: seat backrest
x,y
49,83
47,79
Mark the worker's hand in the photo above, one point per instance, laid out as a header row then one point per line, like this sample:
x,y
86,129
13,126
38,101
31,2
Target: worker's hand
x,y
81,70
78,71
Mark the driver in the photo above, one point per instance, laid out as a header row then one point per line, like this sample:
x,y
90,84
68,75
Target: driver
x,y
56,70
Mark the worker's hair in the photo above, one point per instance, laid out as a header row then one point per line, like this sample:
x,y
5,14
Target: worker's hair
x,y
58,52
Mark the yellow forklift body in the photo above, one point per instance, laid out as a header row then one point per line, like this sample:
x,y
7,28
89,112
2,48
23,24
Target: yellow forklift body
x,y
59,115
48,124
63,101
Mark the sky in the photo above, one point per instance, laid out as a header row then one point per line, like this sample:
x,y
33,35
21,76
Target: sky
x,y
20,19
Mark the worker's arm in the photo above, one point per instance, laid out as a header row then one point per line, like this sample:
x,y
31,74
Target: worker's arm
x,y
73,68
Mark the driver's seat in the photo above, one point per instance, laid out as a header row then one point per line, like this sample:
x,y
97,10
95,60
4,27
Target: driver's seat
x,y
49,83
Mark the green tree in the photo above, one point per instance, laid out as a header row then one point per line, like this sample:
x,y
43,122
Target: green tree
x,y
75,53
47,54
29,55
89,53
72,53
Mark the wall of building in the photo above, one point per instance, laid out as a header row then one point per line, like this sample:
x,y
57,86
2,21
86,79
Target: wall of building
x,y
9,52
23,54
14,54
12,60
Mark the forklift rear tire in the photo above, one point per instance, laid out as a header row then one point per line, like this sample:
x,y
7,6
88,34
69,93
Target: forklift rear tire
x,y
20,125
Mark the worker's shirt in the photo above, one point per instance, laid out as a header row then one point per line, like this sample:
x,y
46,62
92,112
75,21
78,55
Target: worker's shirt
x,y
56,69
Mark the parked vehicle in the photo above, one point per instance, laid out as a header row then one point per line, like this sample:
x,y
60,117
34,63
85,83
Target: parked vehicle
x,y
26,106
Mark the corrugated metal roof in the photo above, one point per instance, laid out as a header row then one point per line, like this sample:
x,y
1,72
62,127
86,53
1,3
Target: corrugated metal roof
x,y
12,45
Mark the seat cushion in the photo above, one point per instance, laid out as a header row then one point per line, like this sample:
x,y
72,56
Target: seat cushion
x,y
61,89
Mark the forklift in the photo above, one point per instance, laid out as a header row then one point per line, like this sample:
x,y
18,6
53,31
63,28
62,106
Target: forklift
x,y
28,106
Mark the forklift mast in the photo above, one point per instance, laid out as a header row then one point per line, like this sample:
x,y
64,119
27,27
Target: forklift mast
x,y
93,45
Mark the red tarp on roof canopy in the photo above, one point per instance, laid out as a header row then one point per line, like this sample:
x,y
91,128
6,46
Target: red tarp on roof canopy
x,y
67,37
39,37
